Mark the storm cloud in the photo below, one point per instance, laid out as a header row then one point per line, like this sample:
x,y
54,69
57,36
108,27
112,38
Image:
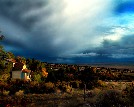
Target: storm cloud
x,y
68,31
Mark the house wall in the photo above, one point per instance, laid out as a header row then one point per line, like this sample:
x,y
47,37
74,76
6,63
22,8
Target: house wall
x,y
28,78
16,74
13,64
25,76
22,75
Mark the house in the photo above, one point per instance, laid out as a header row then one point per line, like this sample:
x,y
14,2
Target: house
x,y
20,71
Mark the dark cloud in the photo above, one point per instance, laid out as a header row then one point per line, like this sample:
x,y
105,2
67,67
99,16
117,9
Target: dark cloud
x,y
65,31
15,9
23,17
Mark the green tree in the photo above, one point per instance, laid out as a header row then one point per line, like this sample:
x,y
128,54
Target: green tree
x,y
2,55
35,65
10,55
21,59
36,77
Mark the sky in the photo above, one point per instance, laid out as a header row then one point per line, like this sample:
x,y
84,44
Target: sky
x,y
69,31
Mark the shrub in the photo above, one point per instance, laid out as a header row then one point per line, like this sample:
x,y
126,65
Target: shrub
x,y
68,89
81,85
63,86
39,88
75,84
32,87
5,92
19,93
110,98
33,83
16,85
3,86
5,77
49,87
130,94
101,83
42,87
57,84
37,77
90,85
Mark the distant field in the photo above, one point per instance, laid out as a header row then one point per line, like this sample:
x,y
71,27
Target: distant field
x,y
131,74
114,65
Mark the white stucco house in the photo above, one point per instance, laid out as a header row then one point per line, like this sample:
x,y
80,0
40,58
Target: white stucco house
x,y
20,71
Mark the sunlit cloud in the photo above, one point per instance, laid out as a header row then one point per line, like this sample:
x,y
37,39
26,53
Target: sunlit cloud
x,y
116,33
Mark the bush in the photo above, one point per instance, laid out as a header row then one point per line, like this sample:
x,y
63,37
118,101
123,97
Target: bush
x,y
19,93
110,98
68,89
75,84
5,77
101,83
32,87
81,85
4,93
63,86
3,86
42,87
49,87
130,94
16,85
90,85
36,77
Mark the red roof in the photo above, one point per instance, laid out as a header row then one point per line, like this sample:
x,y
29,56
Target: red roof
x,y
26,70
11,60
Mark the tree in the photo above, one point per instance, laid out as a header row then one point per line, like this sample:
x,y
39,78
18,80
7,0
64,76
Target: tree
x,y
2,52
10,55
35,65
89,77
60,74
36,77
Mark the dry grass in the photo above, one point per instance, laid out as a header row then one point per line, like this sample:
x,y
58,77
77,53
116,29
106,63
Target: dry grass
x,y
117,85
60,99
57,100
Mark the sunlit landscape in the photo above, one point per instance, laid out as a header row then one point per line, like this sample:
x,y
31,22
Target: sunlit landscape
x,y
66,53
